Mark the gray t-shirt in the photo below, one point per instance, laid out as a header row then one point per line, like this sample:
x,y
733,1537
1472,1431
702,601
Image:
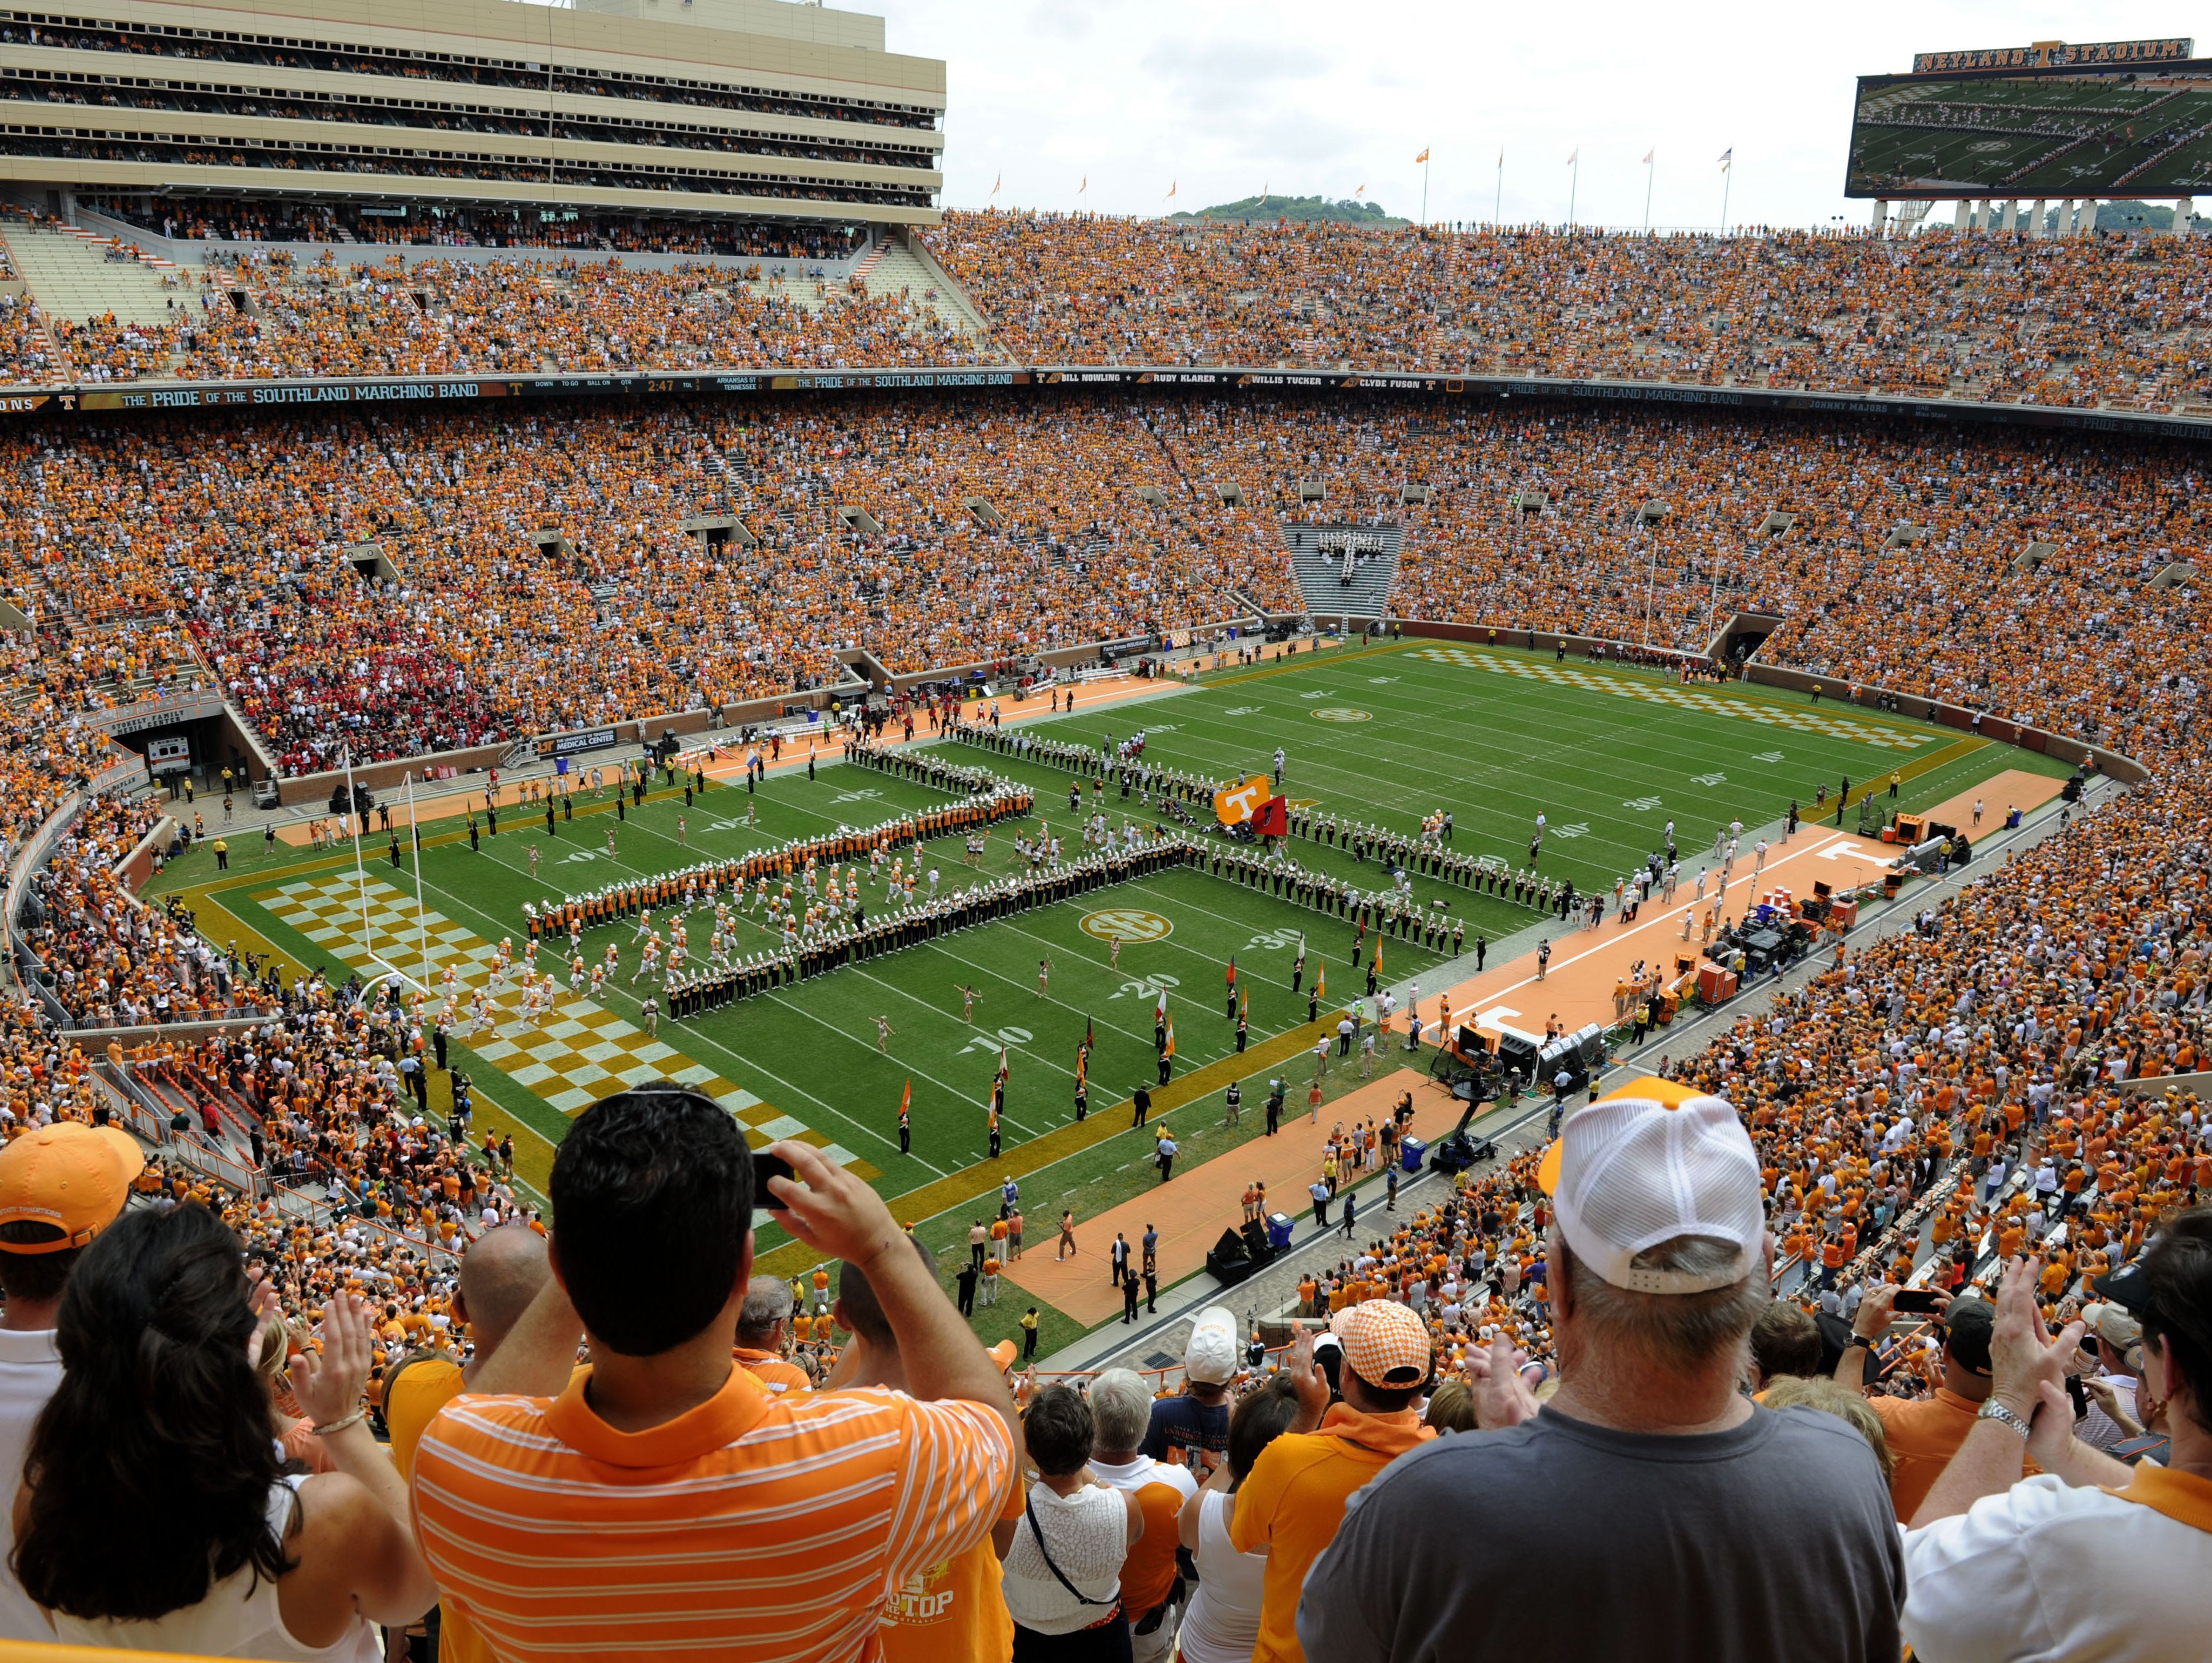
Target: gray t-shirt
x,y
1559,1538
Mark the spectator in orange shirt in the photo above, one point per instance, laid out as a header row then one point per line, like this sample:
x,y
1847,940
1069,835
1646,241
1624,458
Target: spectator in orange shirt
x,y
1924,1433
1294,1498
600,1518
954,1611
759,1349
503,1271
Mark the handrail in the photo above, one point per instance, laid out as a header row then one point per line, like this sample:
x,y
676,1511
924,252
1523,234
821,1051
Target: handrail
x,y
1158,1376
150,1117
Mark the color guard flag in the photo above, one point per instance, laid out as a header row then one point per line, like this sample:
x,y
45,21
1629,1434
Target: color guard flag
x,y
1160,1008
1648,155
1171,190
1575,156
1001,1078
1423,156
996,183
1233,805
1168,1051
906,1100
1232,969
1321,979
1726,156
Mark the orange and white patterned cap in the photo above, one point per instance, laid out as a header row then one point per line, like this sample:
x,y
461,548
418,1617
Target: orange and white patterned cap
x,y
1386,1345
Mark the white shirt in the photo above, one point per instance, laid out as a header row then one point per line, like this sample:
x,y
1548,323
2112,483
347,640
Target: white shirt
x,y
1089,1534
1223,1622
30,1370
239,1618
2046,1572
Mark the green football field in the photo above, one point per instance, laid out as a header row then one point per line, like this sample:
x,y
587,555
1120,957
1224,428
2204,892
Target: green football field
x,y
1383,736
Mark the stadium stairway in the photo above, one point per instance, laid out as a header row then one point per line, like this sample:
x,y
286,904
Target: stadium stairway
x,y
173,1095
908,265
871,260
71,277
1318,561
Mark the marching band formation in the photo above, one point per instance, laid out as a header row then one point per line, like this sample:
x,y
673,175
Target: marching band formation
x,y
1430,855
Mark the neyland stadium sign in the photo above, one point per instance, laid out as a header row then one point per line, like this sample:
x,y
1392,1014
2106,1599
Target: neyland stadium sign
x,y
1226,380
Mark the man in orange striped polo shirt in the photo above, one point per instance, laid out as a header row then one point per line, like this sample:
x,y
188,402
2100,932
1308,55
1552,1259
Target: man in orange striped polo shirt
x,y
663,1502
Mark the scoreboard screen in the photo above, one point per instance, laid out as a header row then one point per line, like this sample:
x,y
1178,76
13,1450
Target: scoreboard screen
x,y
2054,132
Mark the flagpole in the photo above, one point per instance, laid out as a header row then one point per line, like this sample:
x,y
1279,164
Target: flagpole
x,y
359,876
1498,202
1728,177
1649,172
1574,179
422,929
1424,192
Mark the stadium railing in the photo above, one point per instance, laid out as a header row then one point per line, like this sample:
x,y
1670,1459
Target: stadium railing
x,y
1163,1380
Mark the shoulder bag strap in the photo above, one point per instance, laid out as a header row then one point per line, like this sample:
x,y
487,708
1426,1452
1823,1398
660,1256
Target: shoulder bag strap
x,y
1058,1573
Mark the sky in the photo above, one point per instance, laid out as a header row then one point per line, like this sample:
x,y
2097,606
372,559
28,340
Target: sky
x,y
1223,98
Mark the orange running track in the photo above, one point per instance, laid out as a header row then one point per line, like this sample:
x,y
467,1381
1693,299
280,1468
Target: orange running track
x,y
1193,1207
1586,964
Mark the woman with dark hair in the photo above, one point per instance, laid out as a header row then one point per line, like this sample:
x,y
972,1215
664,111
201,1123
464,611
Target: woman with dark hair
x,y
1063,1565
1223,1622
156,1513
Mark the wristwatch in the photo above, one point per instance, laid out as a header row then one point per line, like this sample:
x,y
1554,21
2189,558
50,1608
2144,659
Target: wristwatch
x,y
1994,1411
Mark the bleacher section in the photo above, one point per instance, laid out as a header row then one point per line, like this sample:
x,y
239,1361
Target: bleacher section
x,y
1345,571
71,276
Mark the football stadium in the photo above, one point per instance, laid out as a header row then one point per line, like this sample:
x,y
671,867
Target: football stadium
x,y
745,914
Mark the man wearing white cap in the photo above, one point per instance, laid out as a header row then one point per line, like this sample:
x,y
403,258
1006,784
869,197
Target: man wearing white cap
x,y
1199,1419
1687,1523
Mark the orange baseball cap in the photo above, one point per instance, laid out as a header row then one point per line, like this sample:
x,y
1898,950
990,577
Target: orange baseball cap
x,y
73,1176
1384,1342
1003,1355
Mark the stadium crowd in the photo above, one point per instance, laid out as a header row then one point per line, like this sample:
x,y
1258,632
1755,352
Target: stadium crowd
x,y
2110,320
403,586
2059,321
263,315
1959,1106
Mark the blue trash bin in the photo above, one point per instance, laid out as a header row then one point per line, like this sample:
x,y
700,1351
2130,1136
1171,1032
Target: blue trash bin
x,y
1411,1152
1278,1229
